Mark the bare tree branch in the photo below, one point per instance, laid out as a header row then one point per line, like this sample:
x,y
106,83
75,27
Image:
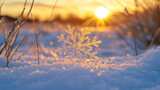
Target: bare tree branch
x,y
24,8
8,47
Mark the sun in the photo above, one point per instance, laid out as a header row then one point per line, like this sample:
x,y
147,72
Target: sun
x,y
101,12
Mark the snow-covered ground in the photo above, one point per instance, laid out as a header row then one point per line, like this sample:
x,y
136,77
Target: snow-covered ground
x,y
114,70
143,74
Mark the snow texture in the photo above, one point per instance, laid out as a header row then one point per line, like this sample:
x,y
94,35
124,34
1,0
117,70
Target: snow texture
x,y
143,76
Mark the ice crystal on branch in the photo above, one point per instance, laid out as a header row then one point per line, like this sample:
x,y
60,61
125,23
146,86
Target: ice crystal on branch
x,y
79,42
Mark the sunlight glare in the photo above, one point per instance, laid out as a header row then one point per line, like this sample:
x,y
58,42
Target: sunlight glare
x,y
101,12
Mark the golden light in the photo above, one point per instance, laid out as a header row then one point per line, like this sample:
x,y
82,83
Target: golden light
x,y
101,12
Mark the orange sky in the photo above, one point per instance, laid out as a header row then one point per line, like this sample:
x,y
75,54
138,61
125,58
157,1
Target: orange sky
x,y
81,8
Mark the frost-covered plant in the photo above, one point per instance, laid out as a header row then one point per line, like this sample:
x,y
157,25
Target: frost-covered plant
x,y
9,47
79,43
139,29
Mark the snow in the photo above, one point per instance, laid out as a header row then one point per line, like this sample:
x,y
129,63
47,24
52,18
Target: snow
x,y
152,58
142,73
114,70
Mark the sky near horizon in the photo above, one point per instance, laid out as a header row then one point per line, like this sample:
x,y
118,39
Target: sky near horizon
x,y
81,8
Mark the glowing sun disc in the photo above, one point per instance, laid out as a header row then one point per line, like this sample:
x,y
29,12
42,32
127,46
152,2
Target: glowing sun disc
x,y
101,12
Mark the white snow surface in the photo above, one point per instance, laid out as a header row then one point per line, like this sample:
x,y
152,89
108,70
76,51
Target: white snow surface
x,y
142,73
